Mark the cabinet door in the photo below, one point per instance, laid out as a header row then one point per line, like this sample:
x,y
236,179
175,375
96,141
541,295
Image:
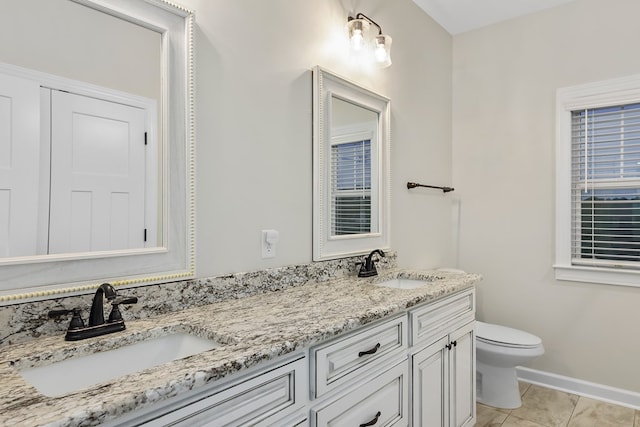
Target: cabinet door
x,y
462,360
430,385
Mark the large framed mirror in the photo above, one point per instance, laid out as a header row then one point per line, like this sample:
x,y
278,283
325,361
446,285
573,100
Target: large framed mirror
x,y
97,172
351,168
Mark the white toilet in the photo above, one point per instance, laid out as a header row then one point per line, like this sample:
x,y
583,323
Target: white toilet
x,y
498,351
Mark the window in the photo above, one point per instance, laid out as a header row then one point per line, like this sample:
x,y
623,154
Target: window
x,y
598,188
351,188
606,186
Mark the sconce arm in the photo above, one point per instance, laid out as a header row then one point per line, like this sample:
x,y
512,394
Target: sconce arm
x,y
362,15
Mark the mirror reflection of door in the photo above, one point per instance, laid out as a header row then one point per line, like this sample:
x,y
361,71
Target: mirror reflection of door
x,y
73,172
97,175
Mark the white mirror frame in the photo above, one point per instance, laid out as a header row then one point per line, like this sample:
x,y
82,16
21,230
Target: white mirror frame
x,y
40,277
325,86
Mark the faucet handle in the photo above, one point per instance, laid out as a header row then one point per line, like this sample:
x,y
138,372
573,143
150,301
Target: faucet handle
x,y
124,300
115,314
76,319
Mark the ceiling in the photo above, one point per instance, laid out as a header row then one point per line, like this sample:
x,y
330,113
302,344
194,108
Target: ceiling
x,y
459,16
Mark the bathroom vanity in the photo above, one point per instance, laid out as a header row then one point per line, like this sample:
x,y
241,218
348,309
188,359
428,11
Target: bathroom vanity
x,y
345,351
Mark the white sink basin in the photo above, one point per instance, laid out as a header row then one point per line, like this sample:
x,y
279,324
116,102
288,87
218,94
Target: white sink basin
x,y
404,283
82,372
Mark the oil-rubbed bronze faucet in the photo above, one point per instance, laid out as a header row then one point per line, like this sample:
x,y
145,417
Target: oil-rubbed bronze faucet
x,y
368,267
97,325
96,316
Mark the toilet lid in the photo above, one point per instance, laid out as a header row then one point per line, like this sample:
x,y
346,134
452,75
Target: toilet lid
x,y
508,337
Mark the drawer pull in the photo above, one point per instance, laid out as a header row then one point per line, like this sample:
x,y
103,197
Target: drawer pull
x,y
373,421
364,353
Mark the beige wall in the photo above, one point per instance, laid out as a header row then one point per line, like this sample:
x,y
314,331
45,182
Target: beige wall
x,y
504,81
254,125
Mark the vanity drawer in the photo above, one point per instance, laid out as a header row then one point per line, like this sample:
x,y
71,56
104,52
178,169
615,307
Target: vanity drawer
x,y
341,360
384,400
430,321
262,400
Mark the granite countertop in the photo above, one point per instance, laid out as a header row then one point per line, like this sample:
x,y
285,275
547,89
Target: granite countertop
x,y
252,329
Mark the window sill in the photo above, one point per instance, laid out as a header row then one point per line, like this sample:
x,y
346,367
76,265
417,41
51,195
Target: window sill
x,y
605,276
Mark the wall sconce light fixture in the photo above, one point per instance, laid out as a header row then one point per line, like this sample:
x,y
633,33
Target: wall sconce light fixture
x,y
358,31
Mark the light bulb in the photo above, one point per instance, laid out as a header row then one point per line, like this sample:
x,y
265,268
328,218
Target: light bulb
x,y
357,40
358,32
380,53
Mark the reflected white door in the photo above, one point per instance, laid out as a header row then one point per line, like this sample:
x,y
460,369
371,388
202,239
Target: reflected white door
x,y
97,175
19,160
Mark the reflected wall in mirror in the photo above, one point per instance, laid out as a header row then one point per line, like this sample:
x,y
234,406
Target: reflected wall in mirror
x,y
99,100
79,42
350,168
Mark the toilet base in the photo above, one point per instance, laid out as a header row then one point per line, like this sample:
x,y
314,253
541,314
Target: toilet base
x,y
497,387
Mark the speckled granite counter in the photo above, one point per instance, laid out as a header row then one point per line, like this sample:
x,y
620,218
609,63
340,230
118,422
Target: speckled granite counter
x,y
253,329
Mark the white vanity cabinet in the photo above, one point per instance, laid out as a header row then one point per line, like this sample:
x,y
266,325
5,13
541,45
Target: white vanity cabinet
x,y
375,375
443,362
416,368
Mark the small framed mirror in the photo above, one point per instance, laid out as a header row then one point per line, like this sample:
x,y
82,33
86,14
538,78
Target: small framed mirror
x,y
351,168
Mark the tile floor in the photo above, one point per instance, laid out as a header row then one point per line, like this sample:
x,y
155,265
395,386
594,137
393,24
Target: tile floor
x,y
543,407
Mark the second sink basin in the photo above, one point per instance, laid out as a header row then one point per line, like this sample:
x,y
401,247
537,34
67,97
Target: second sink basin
x,y
82,372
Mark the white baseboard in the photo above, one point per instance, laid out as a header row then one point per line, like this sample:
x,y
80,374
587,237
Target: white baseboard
x,y
605,393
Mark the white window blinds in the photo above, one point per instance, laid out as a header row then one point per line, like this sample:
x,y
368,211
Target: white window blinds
x,y
605,186
351,188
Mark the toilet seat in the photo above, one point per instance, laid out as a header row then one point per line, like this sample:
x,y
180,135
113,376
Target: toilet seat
x,y
505,337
